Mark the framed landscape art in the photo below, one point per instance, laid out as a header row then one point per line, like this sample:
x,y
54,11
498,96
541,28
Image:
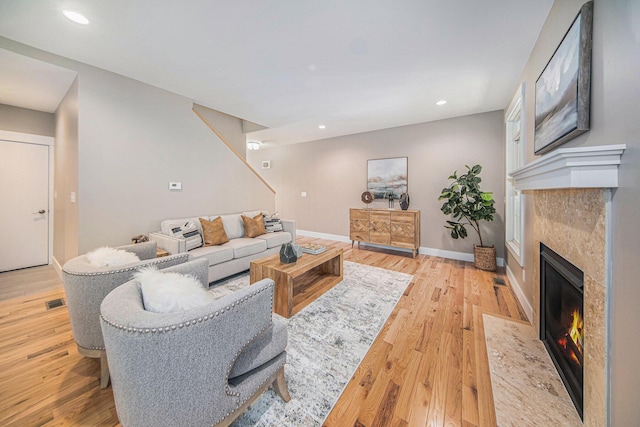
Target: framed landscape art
x,y
387,177
563,89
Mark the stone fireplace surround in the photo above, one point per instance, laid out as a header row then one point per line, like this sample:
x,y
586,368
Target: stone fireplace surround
x,y
571,190
573,222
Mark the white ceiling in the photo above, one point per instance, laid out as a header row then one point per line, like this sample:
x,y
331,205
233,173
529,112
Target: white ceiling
x,y
352,65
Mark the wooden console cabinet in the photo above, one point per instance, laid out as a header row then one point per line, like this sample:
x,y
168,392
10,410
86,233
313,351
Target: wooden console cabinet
x,y
390,227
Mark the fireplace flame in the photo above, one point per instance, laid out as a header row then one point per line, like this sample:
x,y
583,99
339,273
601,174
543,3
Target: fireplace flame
x,y
576,332
572,341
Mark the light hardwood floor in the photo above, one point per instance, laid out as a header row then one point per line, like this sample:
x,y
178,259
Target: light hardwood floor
x,y
428,366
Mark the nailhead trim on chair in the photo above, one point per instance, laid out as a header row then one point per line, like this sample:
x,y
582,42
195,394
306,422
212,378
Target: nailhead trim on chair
x,y
124,270
94,348
233,361
227,389
249,397
180,325
199,320
156,262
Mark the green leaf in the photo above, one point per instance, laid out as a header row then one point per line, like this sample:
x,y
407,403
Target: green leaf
x,y
466,203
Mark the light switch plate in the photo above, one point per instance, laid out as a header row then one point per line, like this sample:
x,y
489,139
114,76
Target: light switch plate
x,y
175,186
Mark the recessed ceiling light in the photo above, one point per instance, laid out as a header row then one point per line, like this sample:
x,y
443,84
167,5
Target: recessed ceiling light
x,y
441,102
76,17
322,127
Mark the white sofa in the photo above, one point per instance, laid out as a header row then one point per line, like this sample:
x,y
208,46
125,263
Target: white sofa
x,y
231,257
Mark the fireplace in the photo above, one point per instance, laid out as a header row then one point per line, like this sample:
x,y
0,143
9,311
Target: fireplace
x,y
562,319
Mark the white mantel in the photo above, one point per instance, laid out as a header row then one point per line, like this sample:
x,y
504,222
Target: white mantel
x,y
581,167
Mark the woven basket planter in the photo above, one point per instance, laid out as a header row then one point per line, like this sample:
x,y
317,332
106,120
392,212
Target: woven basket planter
x,y
484,257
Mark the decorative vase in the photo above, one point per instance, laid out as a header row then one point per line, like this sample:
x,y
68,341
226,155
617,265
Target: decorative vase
x,y
298,250
484,257
288,254
404,201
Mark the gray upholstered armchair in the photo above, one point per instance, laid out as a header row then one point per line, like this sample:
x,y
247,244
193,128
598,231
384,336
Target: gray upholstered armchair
x,y
199,367
86,286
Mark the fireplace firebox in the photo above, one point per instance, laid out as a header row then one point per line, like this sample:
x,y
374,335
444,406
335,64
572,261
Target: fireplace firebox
x,y
561,319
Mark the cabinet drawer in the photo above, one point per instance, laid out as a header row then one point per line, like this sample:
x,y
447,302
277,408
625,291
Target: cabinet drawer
x,y
404,217
380,216
359,214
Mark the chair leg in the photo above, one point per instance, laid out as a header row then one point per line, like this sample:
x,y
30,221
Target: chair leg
x,y
280,386
104,370
104,363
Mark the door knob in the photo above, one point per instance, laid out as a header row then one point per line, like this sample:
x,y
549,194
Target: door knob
x,y
41,211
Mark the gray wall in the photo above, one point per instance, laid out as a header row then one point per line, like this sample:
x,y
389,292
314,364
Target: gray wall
x,y
333,172
228,126
615,114
23,120
133,139
65,218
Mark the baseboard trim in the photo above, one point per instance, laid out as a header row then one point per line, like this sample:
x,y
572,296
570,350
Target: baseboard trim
x,y
517,289
317,235
56,266
460,256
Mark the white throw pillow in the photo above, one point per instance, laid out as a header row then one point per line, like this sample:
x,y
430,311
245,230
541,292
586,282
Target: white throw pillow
x,y
110,257
170,292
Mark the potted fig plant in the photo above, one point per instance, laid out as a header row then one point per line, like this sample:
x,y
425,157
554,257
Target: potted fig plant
x,y
469,205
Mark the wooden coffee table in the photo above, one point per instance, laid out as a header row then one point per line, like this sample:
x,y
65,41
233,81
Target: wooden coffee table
x,y
300,283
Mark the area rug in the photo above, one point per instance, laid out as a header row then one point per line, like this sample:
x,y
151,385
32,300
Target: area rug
x,y
527,389
327,341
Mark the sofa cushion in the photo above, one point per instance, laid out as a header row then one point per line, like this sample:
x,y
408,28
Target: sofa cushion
x,y
275,239
253,227
233,225
214,254
262,349
213,232
245,246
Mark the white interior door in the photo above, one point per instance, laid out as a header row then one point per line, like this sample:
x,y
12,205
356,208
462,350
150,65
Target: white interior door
x,y
24,205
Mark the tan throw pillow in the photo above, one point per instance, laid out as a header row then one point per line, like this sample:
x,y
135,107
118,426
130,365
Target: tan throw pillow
x,y
253,226
213,232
